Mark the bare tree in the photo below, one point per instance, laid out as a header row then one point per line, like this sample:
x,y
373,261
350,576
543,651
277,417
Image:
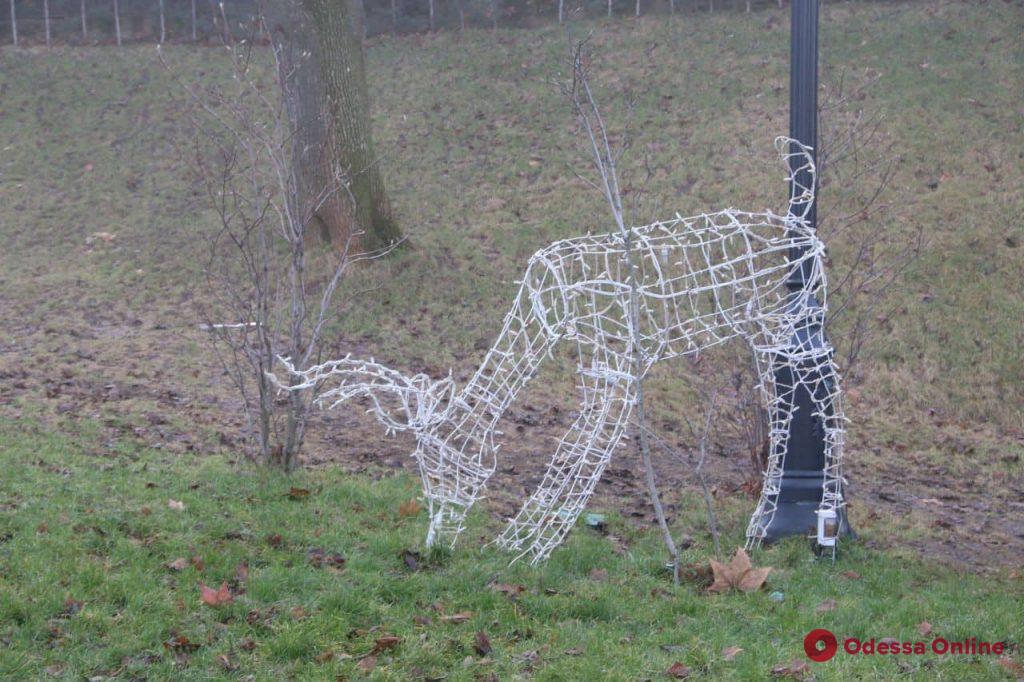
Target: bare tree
x,y
85,27
117,22
193,10
272,291
46,20
605,160
14,24
431,3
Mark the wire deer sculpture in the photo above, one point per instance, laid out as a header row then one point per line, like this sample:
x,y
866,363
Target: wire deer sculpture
x,y
704,280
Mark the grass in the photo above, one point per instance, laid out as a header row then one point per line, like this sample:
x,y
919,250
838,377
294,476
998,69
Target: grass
x,y
98,531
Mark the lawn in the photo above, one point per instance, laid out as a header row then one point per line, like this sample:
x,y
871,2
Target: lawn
x,y
111,403
99,578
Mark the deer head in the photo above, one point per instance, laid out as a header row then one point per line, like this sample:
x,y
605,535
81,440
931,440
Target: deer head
x,y
401,403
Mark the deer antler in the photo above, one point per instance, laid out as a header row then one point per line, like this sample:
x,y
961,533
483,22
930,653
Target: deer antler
x,y
418,396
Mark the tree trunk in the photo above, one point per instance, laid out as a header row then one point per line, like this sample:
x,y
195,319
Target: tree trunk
x,y
330,107
193,21
85,25
431,15
117,22
163,23
46,20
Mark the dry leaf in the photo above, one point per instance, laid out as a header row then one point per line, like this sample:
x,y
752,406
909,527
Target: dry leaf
x,y
324,656
731,652
218,597
410,508
179,564
367,664
176,505
198,563
298,493
510,591
385,643
925,628
795,670
599,575
738,574
678,671
1011,666
242,572
247,644
852,575
482,643
827,605
423,620
225,662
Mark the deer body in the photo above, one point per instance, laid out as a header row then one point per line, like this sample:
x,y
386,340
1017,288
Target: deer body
x,y
700,281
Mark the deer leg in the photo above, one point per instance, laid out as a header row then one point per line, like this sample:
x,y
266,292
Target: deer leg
x,y
821,376
580,459
779,403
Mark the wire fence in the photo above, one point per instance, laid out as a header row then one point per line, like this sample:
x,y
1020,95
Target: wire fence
x,y
119,22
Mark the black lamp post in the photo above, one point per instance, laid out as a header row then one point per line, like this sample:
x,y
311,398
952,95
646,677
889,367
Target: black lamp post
x,y
803,472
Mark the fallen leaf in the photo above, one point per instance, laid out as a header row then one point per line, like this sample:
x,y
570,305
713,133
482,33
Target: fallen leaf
x,y
599,575
247,644
324,656
1011,666
678,671
318,557
198,563
410,508
218,597
367,664
179,564
925,628
795,670
227,663
731,652
180,643
242,572
385,643
510,591
460,617
275,540
423,620
298,493
852,575
827,605
482,643
573,652
298,612
738,574
176,505
54,670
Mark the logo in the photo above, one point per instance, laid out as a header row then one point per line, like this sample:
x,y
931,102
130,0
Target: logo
x,y
820,645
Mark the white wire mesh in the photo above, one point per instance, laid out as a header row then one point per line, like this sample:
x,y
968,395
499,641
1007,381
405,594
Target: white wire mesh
x,y
704,280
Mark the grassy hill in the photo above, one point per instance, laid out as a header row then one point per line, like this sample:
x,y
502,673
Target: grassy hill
x,y
101,361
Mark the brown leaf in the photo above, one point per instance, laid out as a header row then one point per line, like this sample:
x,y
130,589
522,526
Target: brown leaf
x,y
852,575
409,508
678,671
324,656
510,591
298,612
318,557
385,643
795,670
180,643
599,575
482,643
198,563
1011,666
242,572
731,652
925,628
367,664
423,620
740,563
723,579
179,564
275,540
411,559
218,597
227,663
176,505
827,605
753,579
460,617
298,493
247,644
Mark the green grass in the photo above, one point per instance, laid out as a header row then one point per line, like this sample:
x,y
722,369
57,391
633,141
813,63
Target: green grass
x,y
98,530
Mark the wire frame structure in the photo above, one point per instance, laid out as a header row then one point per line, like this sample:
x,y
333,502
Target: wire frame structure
x,y
703,280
